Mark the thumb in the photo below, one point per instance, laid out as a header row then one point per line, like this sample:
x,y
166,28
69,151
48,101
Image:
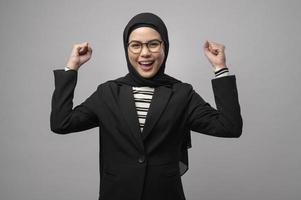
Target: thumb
x,y
206,47
83,49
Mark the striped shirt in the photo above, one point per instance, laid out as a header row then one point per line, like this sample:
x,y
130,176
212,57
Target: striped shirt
x,y
143,97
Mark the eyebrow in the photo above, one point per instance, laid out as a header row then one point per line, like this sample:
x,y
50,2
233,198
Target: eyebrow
x,y
146,41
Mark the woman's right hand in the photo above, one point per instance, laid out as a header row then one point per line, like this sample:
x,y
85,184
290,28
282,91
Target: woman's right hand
x,y
80,54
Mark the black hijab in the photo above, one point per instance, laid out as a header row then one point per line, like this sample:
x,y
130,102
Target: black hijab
x,y
133,78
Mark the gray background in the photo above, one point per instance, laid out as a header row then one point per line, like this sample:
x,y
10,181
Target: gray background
x,y
262,41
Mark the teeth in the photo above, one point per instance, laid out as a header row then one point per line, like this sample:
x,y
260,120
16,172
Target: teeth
x,y
146,62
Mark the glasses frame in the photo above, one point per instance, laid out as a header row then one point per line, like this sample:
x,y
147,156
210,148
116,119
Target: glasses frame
x,y
146,44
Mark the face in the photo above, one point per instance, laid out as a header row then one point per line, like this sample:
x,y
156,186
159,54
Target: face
x,y
146,63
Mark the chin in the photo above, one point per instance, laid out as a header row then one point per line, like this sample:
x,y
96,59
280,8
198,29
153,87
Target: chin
x,y
146,75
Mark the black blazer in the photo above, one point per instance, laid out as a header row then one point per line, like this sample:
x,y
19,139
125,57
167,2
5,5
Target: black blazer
x,y
144,166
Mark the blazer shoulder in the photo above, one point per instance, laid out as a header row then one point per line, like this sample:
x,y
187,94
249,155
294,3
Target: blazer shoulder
x,y
182,86
108,83
108,87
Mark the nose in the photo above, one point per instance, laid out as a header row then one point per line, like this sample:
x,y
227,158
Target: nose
x,y
145,51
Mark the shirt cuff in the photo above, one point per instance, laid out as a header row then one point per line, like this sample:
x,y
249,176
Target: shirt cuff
x,y
67,69
221,72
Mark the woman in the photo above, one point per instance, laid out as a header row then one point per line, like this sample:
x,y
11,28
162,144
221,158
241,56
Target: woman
x,y
145,117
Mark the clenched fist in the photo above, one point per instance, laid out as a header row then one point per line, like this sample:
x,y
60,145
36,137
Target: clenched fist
x,y
80,54
215,53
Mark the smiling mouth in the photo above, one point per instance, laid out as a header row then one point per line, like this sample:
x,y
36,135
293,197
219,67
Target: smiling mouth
x,y
146,65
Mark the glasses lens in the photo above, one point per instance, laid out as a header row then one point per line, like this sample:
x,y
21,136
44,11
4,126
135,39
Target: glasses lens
x,y
154,46
135,47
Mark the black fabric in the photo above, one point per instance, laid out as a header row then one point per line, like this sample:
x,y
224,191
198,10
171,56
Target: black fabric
x,y
160,79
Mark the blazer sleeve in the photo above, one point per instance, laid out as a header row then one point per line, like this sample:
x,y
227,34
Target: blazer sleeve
x,y
64,118
226,120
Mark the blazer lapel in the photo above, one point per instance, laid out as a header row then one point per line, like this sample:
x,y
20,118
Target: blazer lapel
x,y
159,101
128,110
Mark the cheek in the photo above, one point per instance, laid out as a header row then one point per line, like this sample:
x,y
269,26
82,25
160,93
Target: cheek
x,y
132,58
160,58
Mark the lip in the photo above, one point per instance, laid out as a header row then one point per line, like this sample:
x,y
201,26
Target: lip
x,y
147,66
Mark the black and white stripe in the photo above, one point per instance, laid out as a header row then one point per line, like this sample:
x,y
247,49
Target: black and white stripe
x,y
143,97
221,72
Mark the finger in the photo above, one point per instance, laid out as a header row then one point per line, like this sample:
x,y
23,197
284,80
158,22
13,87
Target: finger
x,y
83,51
82,45
206,44
84,48
215,51
89,49
210,46
206,47
217,46
77,47
211,49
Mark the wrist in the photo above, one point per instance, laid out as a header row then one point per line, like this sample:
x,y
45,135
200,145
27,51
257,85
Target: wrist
x,y
72,66
219,67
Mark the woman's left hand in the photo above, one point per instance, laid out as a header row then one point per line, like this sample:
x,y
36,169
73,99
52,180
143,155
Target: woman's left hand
x,y
215,53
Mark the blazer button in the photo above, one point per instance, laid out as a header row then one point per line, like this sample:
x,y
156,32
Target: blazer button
x,y
141,159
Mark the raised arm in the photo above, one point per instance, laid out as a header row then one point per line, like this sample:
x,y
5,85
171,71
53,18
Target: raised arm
x,y
64,118
226,120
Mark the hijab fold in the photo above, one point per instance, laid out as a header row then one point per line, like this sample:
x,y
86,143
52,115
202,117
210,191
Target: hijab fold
x,y
133,78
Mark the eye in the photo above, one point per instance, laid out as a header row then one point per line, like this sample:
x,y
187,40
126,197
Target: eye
x,y
135,45
154,44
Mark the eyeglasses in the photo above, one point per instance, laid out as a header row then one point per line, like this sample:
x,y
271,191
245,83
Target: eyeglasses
x,y
153,46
